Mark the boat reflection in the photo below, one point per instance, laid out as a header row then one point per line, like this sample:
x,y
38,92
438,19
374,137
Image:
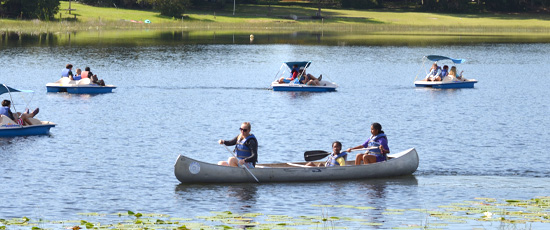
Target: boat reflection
x,y
70,95
360,37
377,193
243,195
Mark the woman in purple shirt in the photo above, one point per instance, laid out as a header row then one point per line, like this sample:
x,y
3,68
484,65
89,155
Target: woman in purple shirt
x,y
379,140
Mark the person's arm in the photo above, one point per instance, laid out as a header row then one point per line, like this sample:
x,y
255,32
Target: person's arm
x,y
384,149
364,145
253,145
437,72
228,142
11,115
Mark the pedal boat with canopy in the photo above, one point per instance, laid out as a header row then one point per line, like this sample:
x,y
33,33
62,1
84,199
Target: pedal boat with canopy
x,y
84,86
188,170
10,128
448,82
286,71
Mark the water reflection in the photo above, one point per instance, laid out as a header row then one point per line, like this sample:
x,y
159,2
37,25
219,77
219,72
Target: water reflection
x,y
70,95
376,195
241,195
299,95
437,93
5,142
178,37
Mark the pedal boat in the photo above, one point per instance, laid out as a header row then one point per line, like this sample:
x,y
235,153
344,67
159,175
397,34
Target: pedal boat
x,y
286,69
447,82
84,86
10,128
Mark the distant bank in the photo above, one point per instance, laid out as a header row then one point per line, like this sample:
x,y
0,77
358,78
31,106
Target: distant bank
x,y
256,18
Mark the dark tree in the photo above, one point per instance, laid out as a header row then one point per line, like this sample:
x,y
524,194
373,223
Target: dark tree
x,y
29,9
171,8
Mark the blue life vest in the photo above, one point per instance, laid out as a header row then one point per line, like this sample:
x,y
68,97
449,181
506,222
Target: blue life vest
x,y
331,161
65,72
435,72
4,110
77,77
373,142
297,79
444,73
242,150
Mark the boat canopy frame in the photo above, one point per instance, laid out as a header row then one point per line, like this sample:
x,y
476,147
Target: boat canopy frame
x,y
300,64
9,90
436,58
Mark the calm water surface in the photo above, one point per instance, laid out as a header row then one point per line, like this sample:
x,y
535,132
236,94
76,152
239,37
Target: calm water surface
x,y
115,152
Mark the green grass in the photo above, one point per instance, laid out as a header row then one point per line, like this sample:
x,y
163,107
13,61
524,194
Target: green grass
x,y
277,18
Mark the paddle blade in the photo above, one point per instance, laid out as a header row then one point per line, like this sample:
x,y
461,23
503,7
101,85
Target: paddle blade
x,y
315,155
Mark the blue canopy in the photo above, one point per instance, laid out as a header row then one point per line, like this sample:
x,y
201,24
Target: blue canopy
x,y
300,64
6,89
439,58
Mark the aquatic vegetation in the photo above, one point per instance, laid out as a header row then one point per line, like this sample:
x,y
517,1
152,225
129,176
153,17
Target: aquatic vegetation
x,y
532,213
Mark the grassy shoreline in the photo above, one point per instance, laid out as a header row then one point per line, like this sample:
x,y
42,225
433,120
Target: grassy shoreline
x,y
252,18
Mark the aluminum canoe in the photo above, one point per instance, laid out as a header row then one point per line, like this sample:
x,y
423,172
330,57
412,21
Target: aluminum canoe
x,y
188,170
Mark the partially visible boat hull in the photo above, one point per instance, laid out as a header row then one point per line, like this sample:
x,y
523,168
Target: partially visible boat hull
x,y
446,85
26,130
188,170
84,86
324,87
81,89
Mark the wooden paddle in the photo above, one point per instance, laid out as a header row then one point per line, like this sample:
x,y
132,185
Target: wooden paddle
x,y
314,155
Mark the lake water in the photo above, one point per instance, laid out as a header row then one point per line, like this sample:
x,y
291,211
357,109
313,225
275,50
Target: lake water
x,y
115,152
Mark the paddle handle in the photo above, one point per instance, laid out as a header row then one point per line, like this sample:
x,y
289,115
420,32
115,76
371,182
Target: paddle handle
x,y
239,164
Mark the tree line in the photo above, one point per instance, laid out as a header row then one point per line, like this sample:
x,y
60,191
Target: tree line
x,y
47,9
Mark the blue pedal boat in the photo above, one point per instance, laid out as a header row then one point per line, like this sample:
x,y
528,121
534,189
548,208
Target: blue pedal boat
x,y
84,86
448,82
10,128
286,69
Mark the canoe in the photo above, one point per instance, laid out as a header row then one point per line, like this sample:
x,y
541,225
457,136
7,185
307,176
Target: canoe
x,y
447,82
83,86
188,170
286,69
